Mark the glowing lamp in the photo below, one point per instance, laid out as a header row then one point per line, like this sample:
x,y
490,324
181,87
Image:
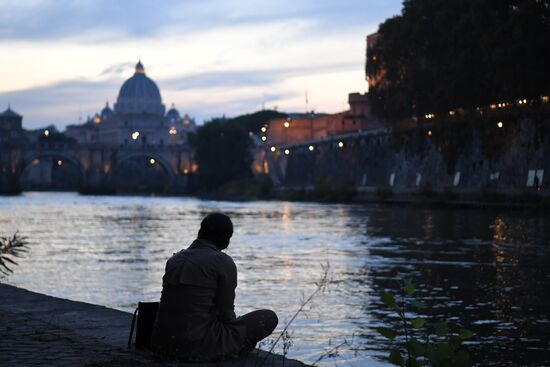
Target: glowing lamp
x,y
46,132
59,162
500,124
311,148
273,149
341,144
264,138
152,161
286,124
135,135
287,152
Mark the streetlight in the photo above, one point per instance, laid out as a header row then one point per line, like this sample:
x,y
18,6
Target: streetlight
x,y
340,144
287,151
152,161
311,148
273,149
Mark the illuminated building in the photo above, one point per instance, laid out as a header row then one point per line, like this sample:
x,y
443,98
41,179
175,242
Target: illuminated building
x,y
138,118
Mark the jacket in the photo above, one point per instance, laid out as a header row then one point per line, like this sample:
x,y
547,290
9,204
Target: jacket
x,y
196,319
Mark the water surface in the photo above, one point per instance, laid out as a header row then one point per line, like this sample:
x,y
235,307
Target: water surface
x,y
487,268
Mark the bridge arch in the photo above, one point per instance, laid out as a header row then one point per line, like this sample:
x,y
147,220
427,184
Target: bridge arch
x,y
146,156
29,159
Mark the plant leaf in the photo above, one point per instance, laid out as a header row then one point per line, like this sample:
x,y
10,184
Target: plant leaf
x,y
409,289
454,342
465,334
417,322
441,328
388,299
387,332
415,348
396,358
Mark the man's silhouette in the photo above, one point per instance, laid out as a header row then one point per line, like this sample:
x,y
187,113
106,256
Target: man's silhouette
x,y
196,319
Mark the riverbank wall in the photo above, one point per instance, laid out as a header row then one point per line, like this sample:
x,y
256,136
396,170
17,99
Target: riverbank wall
x,y
42,330
494,158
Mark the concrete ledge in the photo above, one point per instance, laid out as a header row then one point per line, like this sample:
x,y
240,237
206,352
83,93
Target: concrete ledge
x,y
38,329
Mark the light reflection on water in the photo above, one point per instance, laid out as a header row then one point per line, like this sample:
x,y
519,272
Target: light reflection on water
x,y
488,268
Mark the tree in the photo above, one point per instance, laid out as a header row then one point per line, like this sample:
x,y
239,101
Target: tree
x,y
437,56
222,154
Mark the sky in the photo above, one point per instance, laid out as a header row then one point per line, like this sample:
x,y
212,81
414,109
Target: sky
x,y
62,60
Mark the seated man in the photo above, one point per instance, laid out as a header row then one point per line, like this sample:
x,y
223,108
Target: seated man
x,y
196,319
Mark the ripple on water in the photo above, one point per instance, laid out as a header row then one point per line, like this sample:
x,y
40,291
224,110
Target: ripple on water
x,y
487,269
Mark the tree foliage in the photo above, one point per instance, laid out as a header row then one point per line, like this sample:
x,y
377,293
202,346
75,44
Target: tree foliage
x,y
440,55
222,154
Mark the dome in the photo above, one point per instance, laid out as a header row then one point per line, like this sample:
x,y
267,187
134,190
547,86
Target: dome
x,y
172,115
106,112
139,94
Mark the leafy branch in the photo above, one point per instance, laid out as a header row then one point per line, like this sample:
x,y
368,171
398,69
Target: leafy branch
x,y
425,343
11,248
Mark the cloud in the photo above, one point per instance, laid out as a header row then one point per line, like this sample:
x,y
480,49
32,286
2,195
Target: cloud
x,y
64,58
130,19
116,70
247,78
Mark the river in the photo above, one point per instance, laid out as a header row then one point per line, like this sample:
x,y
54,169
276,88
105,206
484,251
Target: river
x,y
489,268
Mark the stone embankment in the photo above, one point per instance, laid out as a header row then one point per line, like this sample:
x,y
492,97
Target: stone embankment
x,y
39,330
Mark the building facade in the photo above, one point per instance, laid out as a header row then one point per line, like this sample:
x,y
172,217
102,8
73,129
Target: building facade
x,y
138,118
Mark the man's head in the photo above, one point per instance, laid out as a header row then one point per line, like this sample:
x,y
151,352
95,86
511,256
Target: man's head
x,y
216,228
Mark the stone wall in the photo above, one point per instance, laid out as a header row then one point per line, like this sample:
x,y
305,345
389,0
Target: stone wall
x,y
466,157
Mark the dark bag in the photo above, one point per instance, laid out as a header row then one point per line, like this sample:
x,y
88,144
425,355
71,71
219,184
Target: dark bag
x,y
146,314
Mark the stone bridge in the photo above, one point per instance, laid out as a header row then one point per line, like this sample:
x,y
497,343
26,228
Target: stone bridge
x,y
97,164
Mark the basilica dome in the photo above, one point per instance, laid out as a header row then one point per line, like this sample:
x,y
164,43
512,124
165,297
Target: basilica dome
x,y
139,94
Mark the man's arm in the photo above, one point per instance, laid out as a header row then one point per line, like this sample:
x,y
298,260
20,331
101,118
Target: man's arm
x,y
225,293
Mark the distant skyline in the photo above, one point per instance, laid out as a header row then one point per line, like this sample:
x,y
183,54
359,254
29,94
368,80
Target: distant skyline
x,y
62,59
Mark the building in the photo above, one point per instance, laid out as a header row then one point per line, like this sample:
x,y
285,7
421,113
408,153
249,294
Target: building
x,y
138,118
11,127
309,127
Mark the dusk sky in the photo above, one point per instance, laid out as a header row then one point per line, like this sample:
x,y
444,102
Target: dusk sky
x,y
62,59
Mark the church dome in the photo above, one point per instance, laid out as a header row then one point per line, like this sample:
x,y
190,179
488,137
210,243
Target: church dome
x,y
172,115
139,94
106,112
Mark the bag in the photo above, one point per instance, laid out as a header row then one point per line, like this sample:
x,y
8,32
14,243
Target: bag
x,y
146,314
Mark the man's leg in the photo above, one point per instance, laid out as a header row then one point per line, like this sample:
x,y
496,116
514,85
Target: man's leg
x,y
259,325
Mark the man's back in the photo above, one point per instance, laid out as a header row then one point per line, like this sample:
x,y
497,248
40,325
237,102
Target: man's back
x,y
196,319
